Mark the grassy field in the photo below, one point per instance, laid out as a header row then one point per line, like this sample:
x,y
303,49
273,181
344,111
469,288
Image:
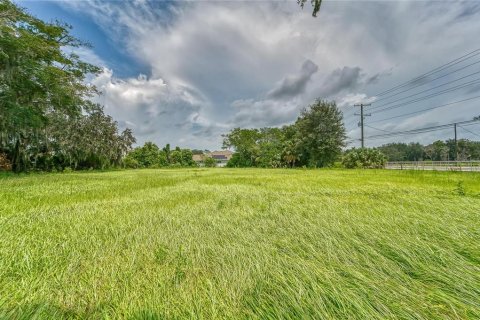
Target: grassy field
x,y
233,243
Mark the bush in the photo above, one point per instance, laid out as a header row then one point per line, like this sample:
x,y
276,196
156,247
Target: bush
x,y
337,165
239,161
5,164
364,158
210,162
130,163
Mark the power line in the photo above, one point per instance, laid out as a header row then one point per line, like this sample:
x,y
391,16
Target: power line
x,y
420,130
405,133
473,82
351,123
366,125
423,110
476,134
442,76
376,101
433,71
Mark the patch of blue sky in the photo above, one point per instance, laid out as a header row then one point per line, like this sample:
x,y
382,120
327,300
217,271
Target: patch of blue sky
x,y
84,27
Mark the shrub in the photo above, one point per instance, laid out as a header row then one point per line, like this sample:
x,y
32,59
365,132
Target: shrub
x,y
5,164
337,165
460,188
130,162
364,158
239,161
210,162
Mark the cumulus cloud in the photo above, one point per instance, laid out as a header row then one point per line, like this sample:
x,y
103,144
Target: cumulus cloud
x,y
284,102
341,79
292,86
261,113
154,109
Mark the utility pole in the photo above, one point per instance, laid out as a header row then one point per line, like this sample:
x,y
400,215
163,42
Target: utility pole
x,y
456,146
362,117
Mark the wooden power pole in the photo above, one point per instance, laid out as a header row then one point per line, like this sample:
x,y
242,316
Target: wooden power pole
x,y
362,117
456,145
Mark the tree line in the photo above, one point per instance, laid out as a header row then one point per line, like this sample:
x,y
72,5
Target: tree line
x,y
47,119
317,139
439,150
151,156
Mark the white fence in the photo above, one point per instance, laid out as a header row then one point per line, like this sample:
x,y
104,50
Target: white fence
x,y
435,165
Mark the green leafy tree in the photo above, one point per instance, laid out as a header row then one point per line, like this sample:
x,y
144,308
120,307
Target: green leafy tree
x,y
37,77
270,147
403,151
415,152
130,162
316,139
148,155
437,151
176,157
47,121
255,147
290,154
239,160
320,134
245,143
187,158
210,162
167,152
395,151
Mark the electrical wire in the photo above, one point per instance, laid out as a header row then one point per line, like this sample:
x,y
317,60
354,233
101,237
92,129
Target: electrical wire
x,y
476,134
423,110
436,70
420,130
432,80
473,82
366,125
416,94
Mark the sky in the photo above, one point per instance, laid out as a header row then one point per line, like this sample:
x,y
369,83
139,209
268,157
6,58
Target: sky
x,y
186,72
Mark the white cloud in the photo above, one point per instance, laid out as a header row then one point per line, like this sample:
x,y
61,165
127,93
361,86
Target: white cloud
x,y
154,109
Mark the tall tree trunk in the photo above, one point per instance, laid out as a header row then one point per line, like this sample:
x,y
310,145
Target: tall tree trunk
x,y
16,160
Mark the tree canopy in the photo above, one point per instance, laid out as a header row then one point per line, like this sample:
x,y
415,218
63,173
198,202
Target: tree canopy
x,y
151,156
47,118
315,140
436,151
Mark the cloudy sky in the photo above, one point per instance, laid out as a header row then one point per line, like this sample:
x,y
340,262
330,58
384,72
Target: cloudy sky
x,y
185,72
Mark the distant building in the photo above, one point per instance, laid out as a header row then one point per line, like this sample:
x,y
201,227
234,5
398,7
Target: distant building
x,y
221,157
198,158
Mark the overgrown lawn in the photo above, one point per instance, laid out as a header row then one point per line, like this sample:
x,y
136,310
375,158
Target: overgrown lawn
x,y
234,243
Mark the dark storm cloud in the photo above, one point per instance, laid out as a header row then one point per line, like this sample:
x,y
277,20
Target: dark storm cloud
x,y
341,79
292,86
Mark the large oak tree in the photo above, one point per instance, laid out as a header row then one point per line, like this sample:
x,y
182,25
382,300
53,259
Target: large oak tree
x,y
44,98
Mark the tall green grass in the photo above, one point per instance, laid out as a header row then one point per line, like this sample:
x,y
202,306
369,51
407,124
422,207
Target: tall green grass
x,y
233,244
